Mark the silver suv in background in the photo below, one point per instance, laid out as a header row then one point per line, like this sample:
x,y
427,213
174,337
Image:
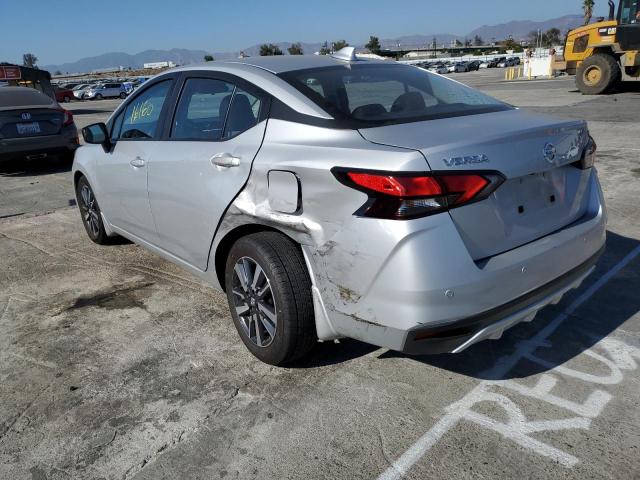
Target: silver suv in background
x,y
106,90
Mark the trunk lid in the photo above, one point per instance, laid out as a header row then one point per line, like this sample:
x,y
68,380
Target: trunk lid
x,y
542,193
30,122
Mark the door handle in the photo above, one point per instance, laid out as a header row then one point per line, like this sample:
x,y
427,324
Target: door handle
x,y
137,162
225,160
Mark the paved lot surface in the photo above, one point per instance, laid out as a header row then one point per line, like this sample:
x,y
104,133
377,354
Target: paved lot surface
x,y
116,365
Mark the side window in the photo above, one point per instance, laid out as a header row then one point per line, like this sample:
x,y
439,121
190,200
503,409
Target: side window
x,y
628,13
202,109
315,85
143,113
243,114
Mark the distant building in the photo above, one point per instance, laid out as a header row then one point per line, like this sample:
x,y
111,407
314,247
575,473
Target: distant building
x,y
158,65
108,69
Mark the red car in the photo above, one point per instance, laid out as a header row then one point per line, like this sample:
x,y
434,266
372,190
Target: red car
x,y
63,95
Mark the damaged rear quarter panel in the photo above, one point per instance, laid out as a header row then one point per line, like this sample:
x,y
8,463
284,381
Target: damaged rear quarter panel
x,y
344,252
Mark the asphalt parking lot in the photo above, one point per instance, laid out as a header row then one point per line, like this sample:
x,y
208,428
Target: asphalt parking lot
x,y
114,364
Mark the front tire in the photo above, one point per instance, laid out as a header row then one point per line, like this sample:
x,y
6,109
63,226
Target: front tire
x,y
66,99
123,95
98,97
90,211
269,293
597,74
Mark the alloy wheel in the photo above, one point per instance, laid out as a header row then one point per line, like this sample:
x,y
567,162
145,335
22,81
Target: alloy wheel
x,y
254,302
90,211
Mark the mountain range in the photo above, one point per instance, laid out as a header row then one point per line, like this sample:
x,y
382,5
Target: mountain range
x,y
518,30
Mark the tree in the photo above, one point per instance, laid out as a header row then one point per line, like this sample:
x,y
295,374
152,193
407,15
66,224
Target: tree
x,y
511,44
477,41
587,8
458,43
57,72
295,49
324,49
551,37
467,42
373,45
339,45
29,60
267,50
208,58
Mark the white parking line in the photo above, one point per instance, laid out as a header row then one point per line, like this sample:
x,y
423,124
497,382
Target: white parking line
x,y
460,410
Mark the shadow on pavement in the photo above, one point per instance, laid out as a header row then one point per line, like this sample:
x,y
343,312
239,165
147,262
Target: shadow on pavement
x,y
89,111
29,168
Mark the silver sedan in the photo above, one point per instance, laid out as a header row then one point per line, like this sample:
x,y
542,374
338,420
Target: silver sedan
x,y
334,197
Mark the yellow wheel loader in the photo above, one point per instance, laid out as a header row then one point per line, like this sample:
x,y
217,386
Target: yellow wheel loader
x,y
606,52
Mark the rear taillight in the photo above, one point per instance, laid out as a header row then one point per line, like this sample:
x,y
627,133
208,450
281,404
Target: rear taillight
x,y
68,117
589,157
403,196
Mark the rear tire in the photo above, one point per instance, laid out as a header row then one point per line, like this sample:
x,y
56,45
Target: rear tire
x,y
276,325
90,212
66,99
98,97
597,74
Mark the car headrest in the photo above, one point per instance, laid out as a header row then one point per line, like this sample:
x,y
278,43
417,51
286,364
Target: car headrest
x,y
409,102
371,110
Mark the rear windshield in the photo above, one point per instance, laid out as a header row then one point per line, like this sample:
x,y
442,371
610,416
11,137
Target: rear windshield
x,y
383,94
14,97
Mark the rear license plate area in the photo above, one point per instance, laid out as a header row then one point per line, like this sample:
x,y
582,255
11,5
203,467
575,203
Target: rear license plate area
x,y
28,128
537,192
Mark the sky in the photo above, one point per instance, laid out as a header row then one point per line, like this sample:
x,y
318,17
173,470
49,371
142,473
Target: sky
x,y
58,32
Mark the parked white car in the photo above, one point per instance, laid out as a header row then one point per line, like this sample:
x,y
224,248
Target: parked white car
x,y
440,69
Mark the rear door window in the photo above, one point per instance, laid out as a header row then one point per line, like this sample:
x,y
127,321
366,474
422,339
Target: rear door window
x,y
243,114
202,109
142,116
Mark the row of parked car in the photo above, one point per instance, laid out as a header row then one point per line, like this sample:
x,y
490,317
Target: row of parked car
x,y
96,90
468,66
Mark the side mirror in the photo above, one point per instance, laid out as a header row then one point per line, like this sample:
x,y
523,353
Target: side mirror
x,y
97,134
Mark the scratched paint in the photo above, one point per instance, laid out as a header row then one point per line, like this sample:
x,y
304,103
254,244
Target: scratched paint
x,y
614,355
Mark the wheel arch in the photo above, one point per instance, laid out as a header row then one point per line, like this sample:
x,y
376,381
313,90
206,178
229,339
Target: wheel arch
x,y
231,237
604,49
76,178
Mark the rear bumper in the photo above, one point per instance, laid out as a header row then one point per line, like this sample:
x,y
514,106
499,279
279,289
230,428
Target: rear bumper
x,y
458,336
64,142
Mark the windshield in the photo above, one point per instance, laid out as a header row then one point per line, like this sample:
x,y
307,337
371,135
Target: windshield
x,y
383,94
19,97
